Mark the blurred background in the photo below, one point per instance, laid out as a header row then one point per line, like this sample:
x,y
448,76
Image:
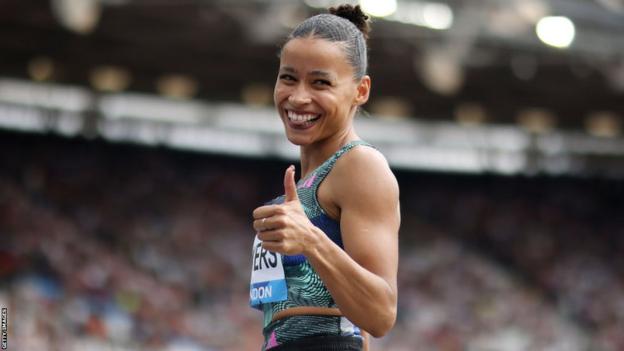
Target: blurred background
x,y
136,137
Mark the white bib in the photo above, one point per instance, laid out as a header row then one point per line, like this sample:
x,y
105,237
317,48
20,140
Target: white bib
x,y
267,276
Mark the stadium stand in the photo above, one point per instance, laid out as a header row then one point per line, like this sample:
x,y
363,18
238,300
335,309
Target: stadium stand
x,y
120,247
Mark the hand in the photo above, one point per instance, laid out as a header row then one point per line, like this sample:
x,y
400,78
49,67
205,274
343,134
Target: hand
x,y
285,228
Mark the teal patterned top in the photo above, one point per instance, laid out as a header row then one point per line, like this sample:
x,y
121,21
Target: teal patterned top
x,y
305,287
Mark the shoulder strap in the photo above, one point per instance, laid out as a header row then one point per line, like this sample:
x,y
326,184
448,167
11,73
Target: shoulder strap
x,y
322,171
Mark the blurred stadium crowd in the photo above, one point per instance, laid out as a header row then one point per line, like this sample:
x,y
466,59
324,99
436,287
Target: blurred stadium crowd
x,y
117,247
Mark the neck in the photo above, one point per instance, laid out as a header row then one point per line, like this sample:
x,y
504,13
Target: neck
x,y
314,155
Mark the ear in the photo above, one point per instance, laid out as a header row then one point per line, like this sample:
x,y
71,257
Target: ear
x,y
363,90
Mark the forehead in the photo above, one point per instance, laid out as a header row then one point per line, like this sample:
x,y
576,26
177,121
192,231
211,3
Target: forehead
x,y
313,54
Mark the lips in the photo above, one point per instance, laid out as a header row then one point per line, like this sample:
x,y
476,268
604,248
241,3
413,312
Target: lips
x,y
301,120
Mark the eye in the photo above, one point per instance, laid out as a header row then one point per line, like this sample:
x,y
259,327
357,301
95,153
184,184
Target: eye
x,y
287,77
321,82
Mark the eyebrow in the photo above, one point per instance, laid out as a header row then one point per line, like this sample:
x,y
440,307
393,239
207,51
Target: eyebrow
x,y
288,69
321,73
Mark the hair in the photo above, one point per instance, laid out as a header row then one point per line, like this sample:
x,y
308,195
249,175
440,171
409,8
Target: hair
x,y
345,24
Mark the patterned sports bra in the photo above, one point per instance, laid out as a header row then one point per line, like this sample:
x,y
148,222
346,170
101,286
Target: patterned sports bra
x,y
304,286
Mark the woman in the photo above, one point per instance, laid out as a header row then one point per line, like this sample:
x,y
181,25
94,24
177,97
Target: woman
x,y
326,252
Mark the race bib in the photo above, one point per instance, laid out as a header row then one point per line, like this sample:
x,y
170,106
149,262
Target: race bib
x,y
267,277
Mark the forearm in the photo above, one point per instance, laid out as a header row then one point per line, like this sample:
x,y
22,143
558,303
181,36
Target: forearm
x,y
359,293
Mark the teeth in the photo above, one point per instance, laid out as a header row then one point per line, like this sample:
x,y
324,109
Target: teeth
x,y
300,118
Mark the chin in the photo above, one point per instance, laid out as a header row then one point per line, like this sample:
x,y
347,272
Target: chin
x,y
297,137
298,140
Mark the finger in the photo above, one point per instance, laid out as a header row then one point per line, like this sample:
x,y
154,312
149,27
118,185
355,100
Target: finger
x,y
266,211
274,246
260,225
290,188
268,223
271,236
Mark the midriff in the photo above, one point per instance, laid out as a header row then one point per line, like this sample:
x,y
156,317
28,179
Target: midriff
x,y
306,311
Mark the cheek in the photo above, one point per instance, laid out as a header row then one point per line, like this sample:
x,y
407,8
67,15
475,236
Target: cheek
x,y
337,104
276,95
279,93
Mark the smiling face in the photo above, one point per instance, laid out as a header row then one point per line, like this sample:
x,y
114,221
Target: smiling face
x,y
315,93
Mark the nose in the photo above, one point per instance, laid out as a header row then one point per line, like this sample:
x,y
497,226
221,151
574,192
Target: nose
x,y
299,96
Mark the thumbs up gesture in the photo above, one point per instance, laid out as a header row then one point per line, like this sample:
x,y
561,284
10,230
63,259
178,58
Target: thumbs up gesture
x,y
290,187
285,228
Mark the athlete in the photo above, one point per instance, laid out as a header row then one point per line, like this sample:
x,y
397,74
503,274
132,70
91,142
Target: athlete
x,y
325,256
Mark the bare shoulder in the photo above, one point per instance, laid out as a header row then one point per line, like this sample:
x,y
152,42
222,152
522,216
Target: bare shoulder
x,y
363,173
366,194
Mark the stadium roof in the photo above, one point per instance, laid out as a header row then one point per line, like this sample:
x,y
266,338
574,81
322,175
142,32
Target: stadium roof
x,y
488,60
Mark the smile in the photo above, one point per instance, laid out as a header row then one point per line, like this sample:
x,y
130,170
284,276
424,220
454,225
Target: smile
x,y
301,120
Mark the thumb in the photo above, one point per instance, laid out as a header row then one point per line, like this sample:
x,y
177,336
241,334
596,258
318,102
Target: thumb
x,y
290,188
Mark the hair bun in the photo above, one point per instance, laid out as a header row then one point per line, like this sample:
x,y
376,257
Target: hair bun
x,y
355,15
